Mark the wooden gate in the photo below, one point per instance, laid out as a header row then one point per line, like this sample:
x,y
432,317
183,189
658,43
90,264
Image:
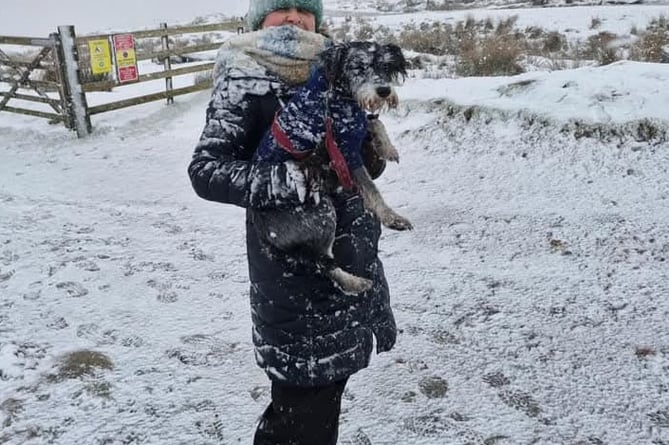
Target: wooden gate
x,y
34,77
55,78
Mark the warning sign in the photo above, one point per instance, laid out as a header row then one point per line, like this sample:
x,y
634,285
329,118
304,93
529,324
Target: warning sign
x,y
126,59
100,54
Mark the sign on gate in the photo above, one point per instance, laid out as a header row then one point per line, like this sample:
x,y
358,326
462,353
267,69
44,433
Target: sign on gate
x,y
100,55
126,59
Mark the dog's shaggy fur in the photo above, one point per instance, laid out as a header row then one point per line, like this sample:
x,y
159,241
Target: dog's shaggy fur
x,y
366,72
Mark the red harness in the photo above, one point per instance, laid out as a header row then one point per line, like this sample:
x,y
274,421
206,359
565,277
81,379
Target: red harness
x,y
337,160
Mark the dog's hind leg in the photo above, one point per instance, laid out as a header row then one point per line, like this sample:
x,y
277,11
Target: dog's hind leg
x,y
383,147
308,260
303,239
375,203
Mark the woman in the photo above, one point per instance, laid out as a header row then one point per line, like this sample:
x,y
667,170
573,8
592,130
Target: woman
x,y
309,336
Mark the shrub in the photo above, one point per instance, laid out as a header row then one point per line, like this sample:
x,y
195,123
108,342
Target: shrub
x,y
444,5
600,47
364,31
595,22
534,32
435,38
506,26
650,47
490,56
661,22
553,42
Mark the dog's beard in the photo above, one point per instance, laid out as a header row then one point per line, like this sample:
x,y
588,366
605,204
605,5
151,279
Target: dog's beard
x,y
369,100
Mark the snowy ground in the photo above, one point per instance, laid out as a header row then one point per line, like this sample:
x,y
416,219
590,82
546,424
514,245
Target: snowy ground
x,y
534,285
531,297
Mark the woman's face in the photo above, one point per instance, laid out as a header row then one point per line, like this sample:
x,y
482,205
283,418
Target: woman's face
x,y
291,16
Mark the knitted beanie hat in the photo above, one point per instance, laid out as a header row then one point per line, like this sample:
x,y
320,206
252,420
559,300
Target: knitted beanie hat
x,y
258,10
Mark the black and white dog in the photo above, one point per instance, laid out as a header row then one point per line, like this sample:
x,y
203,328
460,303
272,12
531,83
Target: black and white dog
x,y
365,72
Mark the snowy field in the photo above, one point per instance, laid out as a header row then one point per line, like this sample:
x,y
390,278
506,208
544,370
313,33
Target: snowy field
x,y
531,297
575,21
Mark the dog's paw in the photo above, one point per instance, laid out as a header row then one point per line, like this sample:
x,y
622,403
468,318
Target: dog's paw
x,y
396,222
357,285
350,284
390,154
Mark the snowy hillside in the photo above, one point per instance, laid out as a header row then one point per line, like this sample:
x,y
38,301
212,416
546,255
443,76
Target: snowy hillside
x,y
531,297
404,6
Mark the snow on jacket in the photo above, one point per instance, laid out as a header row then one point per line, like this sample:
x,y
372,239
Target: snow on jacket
x,y
304,118
305,331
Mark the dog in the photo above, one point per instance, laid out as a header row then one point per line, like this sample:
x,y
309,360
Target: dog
x,y
366,72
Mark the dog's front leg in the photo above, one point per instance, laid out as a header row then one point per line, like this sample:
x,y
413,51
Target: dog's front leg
x,y
381,142
374,202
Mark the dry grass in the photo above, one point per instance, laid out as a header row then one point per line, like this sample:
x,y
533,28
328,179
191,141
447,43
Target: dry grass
x,y
81,363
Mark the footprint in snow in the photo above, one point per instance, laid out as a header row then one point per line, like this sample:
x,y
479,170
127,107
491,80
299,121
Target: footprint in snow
x,y
203,350
171,229
521,401
496,379
97,335
168,297
5,276
72,289
8,257
57,324
132,341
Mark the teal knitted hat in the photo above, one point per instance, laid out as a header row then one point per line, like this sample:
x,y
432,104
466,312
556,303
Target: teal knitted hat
x,y
258,10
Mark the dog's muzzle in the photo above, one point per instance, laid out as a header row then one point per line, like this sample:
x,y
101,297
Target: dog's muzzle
x,y
374,97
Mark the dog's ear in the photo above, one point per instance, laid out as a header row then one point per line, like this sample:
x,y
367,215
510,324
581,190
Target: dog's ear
x,y
398,63
333,60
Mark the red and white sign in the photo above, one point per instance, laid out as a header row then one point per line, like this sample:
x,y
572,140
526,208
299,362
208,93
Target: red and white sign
x,y
126,59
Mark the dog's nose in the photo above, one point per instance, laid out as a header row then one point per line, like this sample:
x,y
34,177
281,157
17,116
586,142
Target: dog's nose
x,y
383,91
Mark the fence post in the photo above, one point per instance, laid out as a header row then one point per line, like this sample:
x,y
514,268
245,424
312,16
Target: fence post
x,y
76,98
59,68
167,63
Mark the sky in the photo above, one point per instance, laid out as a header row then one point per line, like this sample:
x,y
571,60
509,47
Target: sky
x,y
532,292
40,17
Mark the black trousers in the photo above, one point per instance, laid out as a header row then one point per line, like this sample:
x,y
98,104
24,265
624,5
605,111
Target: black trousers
x,y
301,416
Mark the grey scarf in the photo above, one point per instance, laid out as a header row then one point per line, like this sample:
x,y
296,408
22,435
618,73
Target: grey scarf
x,y
286,51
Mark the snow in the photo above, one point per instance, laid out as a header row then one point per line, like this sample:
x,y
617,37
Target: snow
x,y
574,21
621,92
534,284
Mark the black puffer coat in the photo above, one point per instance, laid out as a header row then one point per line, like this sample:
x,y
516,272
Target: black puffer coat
x,y
306,332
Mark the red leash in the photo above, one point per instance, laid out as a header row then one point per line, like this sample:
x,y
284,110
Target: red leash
x,y
337,160
284,141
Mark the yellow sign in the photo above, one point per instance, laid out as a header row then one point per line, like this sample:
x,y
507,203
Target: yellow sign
x,y
101,62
